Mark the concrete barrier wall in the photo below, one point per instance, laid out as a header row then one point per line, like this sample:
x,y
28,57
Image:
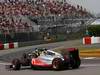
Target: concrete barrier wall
x,y
95,40
30,43
8,45
91,40
21,44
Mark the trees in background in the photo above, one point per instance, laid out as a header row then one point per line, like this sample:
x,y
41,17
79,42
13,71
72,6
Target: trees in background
x,y
94,30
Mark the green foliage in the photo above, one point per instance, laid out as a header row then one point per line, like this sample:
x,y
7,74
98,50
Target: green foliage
x,y
94,30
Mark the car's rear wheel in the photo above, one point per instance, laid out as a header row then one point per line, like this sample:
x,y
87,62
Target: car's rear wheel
x,y
16,65
74,63
57,64
77,63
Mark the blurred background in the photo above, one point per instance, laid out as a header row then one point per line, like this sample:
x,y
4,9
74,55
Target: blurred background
x,y
49,20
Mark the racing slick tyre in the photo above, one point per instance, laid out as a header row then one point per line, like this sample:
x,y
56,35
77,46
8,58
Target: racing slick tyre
x,y
74,64
57,64
25,61
77,63
16,65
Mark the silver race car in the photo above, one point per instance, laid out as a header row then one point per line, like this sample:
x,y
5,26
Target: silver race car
x,y
45,58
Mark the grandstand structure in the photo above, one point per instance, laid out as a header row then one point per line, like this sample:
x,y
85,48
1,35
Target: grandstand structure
x,y
25,20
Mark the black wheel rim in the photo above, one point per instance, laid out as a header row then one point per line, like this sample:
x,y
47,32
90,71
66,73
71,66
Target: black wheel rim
x,y
55,64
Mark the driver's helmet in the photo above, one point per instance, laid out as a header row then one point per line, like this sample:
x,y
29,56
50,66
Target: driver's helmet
x,y
44,52
44,49
35,51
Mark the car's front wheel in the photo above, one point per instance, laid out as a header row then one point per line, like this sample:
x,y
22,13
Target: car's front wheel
x,y
16,65
57,64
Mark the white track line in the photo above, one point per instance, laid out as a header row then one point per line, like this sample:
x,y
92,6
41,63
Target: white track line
x,y
90,58
89,65
5,63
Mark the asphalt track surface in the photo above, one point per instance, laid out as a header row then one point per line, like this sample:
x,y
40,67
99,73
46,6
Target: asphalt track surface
x,y
85,69
8,55
89,66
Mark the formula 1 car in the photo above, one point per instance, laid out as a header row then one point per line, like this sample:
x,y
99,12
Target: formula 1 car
x,y
54,59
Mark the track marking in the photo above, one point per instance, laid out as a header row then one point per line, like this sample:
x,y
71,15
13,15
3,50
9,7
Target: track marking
x,y
89,65
5,63
89,58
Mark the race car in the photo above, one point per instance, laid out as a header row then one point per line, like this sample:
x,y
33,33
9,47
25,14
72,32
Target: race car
x,y
45,58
